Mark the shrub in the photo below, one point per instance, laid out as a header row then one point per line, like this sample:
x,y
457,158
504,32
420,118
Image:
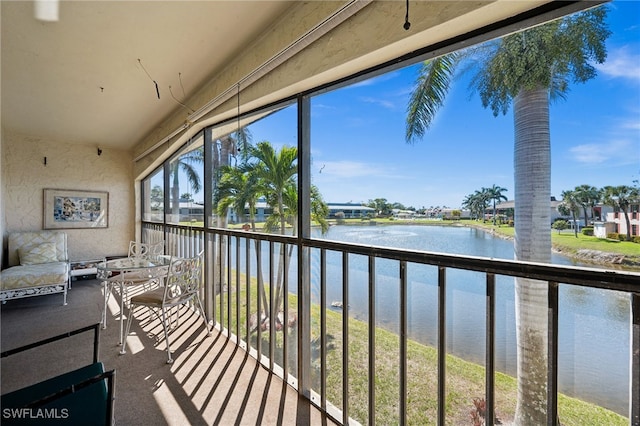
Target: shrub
x,y
636,240
560,225
587,230
616,236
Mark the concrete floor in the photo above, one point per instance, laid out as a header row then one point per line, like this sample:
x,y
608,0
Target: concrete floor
x,y
211,382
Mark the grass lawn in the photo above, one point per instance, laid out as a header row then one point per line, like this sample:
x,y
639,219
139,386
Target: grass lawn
x,y
567,242
464,380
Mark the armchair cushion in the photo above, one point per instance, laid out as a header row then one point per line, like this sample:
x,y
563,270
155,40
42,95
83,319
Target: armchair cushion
x,y
41,253
17,240
35,275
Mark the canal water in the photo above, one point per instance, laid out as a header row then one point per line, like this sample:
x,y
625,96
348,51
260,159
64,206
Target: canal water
x,y
594,325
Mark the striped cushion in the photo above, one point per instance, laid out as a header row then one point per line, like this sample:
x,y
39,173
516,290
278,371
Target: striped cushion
x,y
35,255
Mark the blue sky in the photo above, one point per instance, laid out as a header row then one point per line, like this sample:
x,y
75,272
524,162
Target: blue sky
x,y
359,152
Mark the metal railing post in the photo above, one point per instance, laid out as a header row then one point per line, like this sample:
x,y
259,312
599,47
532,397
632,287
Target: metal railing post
x,y
403,343
490,350
634,391
372,341
552,355
442,344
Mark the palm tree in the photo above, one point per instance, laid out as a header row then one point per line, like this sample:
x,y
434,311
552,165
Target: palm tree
x,y
185,163
156,197
620,198
495,195
587,196
224,148
481,199
228,147
275,174
468,203
525,69
476,203
276,170
238,189
570,206
319,213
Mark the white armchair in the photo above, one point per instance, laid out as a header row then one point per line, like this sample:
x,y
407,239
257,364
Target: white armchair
x,y
38,265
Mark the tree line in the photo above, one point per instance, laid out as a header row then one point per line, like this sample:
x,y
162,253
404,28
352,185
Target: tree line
x,y
584,198
580,201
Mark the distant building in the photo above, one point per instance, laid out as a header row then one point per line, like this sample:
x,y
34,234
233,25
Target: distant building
x,y
618,222
189,211
403,214
350,210
449,214
264,210
508,208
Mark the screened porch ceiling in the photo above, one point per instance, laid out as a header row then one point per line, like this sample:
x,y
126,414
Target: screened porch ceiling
x,y
110,73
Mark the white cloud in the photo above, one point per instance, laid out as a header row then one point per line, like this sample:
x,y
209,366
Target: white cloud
x,y
616,151
354,169
588,153
376,101
375,80
622,63
631,123
324,106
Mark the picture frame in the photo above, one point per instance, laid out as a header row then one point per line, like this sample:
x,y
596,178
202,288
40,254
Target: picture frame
x,y
75,209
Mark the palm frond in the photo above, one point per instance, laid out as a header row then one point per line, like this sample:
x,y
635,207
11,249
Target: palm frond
x,y
428,96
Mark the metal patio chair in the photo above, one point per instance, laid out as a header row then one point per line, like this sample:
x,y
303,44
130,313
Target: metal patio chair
x,y
182,286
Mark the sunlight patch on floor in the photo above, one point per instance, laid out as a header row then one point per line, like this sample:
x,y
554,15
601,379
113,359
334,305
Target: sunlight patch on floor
x,y
134,344
169,406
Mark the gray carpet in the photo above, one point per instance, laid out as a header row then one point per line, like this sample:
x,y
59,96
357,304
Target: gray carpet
x,y
210,382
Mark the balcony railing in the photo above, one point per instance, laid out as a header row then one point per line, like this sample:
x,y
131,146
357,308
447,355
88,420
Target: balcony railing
x,y
243,270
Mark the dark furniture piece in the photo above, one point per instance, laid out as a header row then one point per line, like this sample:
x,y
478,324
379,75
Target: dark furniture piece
x,y
81,396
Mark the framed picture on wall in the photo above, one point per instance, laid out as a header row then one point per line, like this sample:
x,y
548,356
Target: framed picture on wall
x,y
70,208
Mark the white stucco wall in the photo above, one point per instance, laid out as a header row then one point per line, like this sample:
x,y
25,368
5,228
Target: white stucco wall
x,y
69,166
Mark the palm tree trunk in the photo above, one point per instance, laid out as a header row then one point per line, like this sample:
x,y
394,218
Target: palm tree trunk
x,y
532,170
586,217
175,195
626,218
280,293
222,159
494,212
261,290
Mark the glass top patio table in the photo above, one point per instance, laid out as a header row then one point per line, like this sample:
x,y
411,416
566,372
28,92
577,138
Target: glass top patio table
x,y
128,264
119,272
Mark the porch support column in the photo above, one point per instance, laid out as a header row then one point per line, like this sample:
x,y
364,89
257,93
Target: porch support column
x,y
304,232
